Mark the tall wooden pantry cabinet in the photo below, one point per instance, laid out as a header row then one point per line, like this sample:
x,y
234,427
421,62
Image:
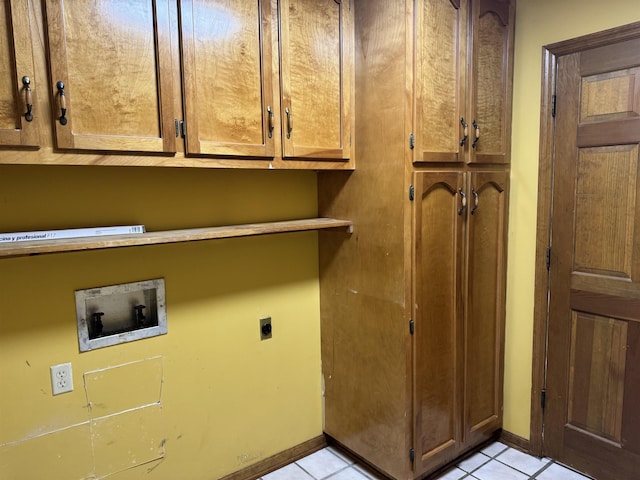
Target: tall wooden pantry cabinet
x,y
412,303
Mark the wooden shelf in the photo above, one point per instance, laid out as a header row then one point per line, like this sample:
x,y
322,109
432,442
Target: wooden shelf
x,y
169,236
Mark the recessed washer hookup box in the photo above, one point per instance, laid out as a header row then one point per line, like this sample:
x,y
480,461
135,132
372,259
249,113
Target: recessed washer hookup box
x,y
120,313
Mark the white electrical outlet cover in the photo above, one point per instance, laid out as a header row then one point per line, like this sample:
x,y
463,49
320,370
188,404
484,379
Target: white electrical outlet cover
x,y
61,378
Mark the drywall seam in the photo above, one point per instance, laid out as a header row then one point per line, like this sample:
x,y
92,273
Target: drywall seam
x,y
32,437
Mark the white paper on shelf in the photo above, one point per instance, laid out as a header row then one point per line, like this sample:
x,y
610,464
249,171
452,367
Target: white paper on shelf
x,y
70,233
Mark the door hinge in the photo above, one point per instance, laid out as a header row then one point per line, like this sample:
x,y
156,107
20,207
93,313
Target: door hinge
x,y
553,106
181,129
412,455
543,399
412,326
412,192
548,258
412,141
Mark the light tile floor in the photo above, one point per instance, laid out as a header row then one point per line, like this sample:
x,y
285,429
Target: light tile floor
x,y
494,462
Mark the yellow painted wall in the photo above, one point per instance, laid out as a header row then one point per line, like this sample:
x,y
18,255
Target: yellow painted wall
x,y
213,397
538,23
209,397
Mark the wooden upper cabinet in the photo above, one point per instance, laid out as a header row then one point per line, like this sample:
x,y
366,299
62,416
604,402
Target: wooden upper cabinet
x,y
315,78
440,81
227,77
263,83
230,85
111,75
17,77
491,82
463,80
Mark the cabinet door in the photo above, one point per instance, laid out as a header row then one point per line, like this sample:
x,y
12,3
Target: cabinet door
x,y
315,78
227,78
17,82
440,84
491,80
111,74
439,214
484,319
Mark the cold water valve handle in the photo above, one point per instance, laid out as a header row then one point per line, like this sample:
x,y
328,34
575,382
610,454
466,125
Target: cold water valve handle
x,y
97,323
139,314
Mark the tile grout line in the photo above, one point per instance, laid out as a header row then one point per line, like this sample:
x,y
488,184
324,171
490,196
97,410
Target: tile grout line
x,y
535,475
530,476
469,475
347,465
352,464
494,457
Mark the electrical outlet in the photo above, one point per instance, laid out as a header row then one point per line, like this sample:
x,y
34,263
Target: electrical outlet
x,y
265,328
61,378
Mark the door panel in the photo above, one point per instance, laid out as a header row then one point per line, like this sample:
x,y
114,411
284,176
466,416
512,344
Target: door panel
x,y
492,32
226,65
610,95
594,308
484,319
437,314
597,369
440,80
315,92
16,64
606,211
114,61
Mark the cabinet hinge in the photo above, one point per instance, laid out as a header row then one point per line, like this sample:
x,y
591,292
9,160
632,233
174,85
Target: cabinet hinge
x,y
412,192
553,106
412,326
548,258
412,141
181,129
543,398
412,455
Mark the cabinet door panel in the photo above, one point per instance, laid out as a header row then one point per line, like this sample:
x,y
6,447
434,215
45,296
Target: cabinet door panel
x,y
314,76
226,63
440,80
485,304
491,77
115,62
16,62
438,335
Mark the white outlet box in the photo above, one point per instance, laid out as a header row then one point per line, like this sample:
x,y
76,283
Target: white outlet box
x,y
61,378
